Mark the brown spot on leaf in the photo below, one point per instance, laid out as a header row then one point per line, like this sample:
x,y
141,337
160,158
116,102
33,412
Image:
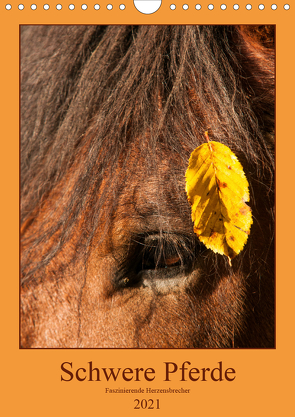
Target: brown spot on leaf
x,y
221,184
244,210
232,238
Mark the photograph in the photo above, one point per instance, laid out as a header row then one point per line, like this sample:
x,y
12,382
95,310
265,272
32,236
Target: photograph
x,y
147,186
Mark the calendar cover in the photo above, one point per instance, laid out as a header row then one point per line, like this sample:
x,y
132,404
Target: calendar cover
x,y
146,213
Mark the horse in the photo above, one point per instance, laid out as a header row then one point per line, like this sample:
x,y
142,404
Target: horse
x,y
109,118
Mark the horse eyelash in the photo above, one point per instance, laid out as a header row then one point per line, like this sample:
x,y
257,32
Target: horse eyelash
x,y
156,249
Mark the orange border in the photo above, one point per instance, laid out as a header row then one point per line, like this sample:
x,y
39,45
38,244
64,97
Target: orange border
x,y
31,378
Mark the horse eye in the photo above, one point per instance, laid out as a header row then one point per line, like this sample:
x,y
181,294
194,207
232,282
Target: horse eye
x,y
158,257
167,254
152,262
173,261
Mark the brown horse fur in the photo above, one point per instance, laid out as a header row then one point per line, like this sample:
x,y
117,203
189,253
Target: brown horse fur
x,y
110,115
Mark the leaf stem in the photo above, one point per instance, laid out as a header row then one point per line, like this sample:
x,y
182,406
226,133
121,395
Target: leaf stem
x,y
208,140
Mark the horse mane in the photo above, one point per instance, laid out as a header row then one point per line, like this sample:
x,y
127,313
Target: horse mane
x,y
90,95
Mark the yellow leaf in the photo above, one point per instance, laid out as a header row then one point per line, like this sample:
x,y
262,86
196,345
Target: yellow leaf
x,y
218,190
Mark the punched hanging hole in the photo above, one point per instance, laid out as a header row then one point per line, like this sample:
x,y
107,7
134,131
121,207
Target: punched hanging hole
x,y
84,7
223,7
210,6
274,7
172,6
33,6
122,7
287,6
261,6
46,7
71,6
198,7
96,7
185,7
8,7
58,7
21,7
147,6
109,6
248,6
